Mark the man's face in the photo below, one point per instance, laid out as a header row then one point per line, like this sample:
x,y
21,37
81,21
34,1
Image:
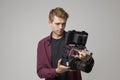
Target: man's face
x,y
58,26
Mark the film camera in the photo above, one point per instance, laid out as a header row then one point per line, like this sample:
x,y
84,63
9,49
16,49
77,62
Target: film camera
x,y
76,39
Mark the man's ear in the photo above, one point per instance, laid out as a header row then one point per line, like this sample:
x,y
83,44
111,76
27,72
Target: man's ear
x,y
49,22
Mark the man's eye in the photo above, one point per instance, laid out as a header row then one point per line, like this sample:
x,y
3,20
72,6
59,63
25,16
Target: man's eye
x,y
64,24
57,23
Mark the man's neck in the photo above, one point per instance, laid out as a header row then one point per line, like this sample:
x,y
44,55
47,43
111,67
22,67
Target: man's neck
x,y
57,37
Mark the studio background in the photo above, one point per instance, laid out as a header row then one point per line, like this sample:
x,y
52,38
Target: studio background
x,y
23,23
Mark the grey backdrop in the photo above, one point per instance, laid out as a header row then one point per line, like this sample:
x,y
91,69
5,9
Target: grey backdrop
x,y
24,22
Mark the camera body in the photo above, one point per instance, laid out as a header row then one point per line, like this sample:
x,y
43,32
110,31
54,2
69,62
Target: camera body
x,y
73,62
77,39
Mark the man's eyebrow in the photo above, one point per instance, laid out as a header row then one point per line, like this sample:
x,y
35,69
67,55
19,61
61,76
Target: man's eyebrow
x,y
59,23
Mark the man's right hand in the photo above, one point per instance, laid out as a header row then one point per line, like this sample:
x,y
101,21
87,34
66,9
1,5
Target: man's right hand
x,y
61,68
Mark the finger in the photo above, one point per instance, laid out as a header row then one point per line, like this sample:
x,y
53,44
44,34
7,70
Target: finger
x,y
65,67
79,52
59,62
84,54
81,56
76,55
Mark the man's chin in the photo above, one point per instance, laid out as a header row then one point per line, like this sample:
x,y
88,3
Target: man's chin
x,y
59,33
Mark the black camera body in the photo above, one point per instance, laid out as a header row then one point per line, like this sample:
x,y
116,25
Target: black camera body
x,y
73,62
78,40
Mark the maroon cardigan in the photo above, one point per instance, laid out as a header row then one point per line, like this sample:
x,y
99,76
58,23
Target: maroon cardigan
x,y
44,67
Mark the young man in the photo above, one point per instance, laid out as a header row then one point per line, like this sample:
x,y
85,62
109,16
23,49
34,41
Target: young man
x,y
51,48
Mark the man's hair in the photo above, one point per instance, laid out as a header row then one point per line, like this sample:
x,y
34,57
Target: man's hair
x,y
59,12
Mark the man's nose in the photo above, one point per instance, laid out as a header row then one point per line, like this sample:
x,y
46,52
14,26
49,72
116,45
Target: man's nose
x,y
61,26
